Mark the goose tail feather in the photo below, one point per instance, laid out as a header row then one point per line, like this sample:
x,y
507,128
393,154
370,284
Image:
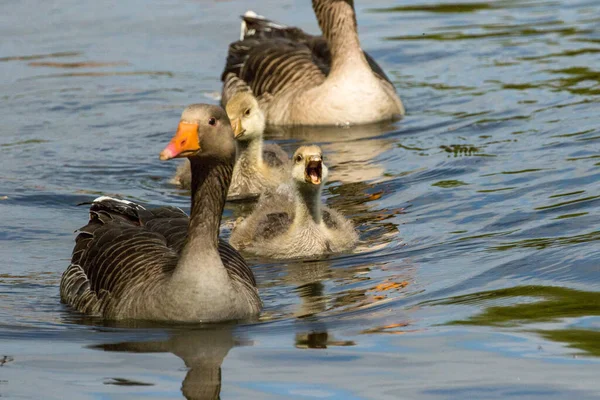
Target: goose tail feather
x,y
254,25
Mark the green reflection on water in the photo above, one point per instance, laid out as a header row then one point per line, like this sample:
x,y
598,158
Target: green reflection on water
x,y
496,190
449,184
565,53
542,243
554,304
566,203
583,339
439,8
577,75
566,194
460,149
575,215
508,32
469,7
22,142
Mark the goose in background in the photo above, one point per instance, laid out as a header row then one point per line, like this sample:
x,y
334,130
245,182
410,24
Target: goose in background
x,y
130,262
258,166
301,79
291,222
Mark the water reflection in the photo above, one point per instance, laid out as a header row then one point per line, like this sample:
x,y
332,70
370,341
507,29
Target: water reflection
x,y
309,278
202,351
319,340
351,152
551,304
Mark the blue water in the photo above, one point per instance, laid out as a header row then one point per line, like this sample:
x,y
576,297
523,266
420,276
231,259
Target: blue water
x,y
478,271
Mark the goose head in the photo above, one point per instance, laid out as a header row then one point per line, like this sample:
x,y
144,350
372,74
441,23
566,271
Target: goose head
x,y
247,119
308,170
204,131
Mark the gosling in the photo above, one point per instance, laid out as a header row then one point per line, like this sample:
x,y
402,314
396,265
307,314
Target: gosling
x,y
292,222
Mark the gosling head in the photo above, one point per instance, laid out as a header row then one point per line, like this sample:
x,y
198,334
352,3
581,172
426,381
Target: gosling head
x,y
247,119
308,170
204,131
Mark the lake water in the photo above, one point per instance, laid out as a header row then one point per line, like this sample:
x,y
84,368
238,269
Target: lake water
x,y
478,271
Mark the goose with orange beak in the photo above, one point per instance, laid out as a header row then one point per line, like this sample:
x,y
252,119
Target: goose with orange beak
x,y
258,166
292,222
130,262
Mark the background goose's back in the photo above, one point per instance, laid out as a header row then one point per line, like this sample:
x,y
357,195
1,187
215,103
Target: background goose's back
x,y
272,57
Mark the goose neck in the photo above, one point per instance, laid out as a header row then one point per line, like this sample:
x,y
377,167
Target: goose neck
x,y
249,154
210,182
337,21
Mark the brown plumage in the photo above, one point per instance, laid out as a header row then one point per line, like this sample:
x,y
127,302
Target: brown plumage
x,y
158,264
301,79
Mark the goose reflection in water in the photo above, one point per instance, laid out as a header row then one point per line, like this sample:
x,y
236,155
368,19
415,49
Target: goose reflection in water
x,y
202,351
308,277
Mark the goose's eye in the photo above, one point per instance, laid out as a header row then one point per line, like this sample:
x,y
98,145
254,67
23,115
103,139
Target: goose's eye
x,y
212,121
247,112
298,158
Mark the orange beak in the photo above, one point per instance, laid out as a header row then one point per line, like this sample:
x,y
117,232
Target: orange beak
x,y
184,143
236,124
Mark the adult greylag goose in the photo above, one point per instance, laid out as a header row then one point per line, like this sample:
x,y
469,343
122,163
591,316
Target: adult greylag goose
x,y
258,166
130,262
300,79
292,222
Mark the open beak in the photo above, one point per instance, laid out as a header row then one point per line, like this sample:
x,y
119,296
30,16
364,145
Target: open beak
x,y
314,170
236,125
184,143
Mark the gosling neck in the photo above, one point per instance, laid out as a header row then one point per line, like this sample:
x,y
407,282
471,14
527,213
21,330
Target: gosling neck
x,y
249,153
337,21
210,182
309,203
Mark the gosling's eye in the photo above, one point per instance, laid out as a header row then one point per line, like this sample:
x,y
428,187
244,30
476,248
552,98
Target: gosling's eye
x,y
298,158
247,112
212,121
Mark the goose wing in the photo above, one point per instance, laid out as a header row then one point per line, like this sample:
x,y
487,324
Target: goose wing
x,y
273,224
264,29
172,224
125,245
274,155
112,253
268,67
271,56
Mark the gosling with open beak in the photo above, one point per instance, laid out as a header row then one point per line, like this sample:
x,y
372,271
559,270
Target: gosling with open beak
x,y
313,172
293,222
308,168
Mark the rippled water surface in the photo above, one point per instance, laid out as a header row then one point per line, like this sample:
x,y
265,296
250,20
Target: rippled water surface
x,y
479,265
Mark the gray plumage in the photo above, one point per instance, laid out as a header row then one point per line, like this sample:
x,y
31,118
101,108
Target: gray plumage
x,y
301,79
158,264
